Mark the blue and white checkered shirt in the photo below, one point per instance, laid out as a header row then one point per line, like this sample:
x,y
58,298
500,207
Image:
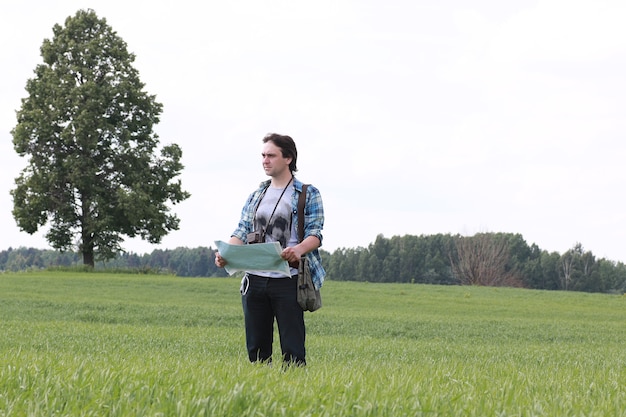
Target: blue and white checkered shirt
x,y
313,222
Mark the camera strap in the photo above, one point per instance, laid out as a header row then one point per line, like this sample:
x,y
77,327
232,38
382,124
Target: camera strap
x,y
277,201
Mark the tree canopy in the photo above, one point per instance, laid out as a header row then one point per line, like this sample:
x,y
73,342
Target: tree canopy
x,y
95,169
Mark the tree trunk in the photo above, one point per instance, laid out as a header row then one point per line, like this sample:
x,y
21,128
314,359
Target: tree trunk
x,y
87,248
88,258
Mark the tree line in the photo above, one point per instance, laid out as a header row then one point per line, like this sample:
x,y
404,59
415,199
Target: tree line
x,y
488,259
184,262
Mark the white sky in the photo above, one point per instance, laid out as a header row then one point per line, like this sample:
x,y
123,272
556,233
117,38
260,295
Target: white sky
x,y
411,117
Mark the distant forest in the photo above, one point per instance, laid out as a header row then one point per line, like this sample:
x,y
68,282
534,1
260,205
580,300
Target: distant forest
x,y
487,259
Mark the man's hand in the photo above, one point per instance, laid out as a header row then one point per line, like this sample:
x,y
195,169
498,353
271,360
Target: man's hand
x,y
292,255
219,261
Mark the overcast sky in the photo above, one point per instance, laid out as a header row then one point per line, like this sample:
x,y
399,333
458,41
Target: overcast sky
x,y
411,117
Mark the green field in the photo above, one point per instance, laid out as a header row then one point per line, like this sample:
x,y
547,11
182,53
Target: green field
x,y
78,344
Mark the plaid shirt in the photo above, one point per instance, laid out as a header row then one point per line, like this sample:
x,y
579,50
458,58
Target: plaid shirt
x,y
313,222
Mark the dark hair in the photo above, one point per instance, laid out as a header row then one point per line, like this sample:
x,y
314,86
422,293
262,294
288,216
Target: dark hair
x,y
287,147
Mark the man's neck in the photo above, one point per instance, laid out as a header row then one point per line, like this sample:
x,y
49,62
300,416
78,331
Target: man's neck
x,y
282,181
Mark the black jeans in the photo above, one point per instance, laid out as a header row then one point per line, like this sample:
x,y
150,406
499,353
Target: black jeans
x,y
264,299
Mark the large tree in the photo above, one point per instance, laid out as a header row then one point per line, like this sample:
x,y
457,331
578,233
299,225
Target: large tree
x,y
95,169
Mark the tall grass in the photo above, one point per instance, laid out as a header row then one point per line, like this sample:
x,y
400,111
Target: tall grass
x,y
79,344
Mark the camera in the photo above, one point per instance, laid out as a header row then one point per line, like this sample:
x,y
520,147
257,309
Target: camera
x,y
256,237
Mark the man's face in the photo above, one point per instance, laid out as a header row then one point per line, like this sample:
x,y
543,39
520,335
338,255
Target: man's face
x,y
274,163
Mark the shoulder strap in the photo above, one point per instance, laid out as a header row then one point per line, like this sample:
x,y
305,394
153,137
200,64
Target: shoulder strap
x,y
301,202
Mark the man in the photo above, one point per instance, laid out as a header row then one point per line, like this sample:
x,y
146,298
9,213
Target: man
x,y
270,215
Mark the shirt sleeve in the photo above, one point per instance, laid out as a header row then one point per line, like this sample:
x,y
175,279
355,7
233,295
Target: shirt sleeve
x,y
245,224
313,214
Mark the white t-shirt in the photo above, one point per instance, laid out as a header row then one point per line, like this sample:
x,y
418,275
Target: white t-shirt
x,y
281,228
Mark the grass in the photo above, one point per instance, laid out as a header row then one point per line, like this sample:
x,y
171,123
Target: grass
x,y
79,344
